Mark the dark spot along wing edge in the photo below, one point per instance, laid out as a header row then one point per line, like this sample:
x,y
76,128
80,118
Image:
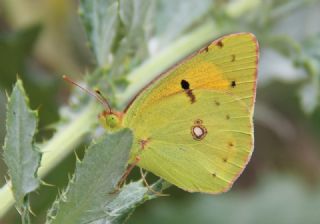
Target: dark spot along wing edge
x,y
193,54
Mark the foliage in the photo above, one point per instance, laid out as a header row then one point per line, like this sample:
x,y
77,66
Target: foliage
x,y
20,153
91,187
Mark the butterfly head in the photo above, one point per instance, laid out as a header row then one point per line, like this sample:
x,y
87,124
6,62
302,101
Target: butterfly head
x,y
110,120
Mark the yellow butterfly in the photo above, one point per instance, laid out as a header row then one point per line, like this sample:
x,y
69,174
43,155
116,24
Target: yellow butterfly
x,y
193,125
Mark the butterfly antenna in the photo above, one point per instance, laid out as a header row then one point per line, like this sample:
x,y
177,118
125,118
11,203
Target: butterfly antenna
x,y
102,98
95,94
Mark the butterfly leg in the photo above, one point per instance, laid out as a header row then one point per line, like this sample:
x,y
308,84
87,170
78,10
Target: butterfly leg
x,y
126,174
149,187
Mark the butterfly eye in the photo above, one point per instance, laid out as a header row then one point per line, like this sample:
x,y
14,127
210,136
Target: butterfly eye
x,y
111,121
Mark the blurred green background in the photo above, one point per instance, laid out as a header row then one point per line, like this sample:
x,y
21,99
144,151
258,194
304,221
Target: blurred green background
x,y
40,40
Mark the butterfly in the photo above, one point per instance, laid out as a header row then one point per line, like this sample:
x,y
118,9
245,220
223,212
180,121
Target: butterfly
x,y
193,124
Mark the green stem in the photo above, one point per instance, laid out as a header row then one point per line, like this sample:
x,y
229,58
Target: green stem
x,y
65,140
25,216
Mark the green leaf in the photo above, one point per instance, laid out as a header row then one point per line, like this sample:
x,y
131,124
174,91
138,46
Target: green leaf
x,y
20,154
133,14
101,20
131,196
94,180
121,207
134,44
174,19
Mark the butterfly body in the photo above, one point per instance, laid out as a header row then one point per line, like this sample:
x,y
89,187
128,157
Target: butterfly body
x,y
193,125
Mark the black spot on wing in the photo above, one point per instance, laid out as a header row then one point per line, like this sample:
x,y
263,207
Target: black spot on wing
x,y
206,49
220,44
185,84
233,84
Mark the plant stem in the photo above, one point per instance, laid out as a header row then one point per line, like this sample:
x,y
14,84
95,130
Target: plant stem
x,y
25,216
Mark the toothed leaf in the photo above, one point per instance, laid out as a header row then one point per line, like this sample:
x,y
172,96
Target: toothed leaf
x,y
94,181
131,196
20,154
